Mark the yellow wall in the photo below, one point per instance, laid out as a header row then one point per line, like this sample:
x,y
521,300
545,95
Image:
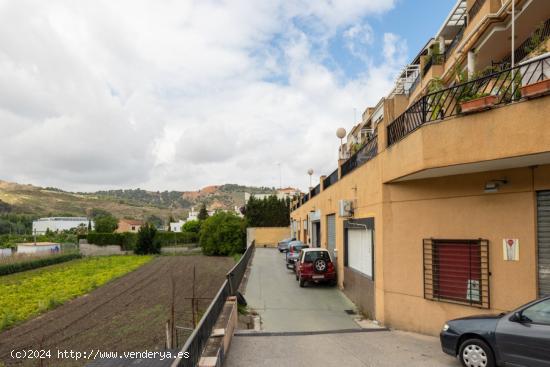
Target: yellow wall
x,y
451,207
270,236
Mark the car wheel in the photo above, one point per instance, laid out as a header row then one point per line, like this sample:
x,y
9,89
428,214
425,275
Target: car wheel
x,y
476,353
302,282
333,282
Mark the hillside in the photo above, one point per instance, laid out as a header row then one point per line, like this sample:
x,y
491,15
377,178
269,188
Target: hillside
x,y
131,203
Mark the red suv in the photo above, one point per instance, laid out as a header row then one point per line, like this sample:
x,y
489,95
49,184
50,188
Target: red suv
x,y
315,265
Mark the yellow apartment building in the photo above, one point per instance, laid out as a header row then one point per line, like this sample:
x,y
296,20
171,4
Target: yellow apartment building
x,y
443,209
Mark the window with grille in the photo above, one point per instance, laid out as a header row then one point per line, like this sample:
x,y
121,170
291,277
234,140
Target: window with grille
x,y
457,271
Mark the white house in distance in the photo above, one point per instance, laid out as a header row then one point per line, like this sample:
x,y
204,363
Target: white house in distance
x,y
56,224
287,192
38,247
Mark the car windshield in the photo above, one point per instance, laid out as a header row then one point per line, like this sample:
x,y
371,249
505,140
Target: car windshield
x,y
297,247
311,256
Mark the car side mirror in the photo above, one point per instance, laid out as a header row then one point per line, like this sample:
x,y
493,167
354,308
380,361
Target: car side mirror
x,y
517,317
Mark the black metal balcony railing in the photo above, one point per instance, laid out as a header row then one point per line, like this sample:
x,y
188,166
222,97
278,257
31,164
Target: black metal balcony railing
x,y
537,37
316,190
331,179
305,198
503,85
365,154
475,9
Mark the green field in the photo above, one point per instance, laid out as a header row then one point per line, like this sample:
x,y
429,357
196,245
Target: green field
x,y
25,295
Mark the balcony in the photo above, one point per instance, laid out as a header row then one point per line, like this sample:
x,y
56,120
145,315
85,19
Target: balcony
x,y
316,190
490,123
330,179
362,156
503,87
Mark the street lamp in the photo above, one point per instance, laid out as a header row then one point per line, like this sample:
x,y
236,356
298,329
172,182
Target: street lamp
x,y
341,134
310,172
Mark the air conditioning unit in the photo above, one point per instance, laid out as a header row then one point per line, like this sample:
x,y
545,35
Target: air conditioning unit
x,y
345,208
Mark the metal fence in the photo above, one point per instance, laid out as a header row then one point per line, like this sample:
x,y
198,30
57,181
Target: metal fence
x,y
365,154
503,85
538,36
195,344
316,190
331,179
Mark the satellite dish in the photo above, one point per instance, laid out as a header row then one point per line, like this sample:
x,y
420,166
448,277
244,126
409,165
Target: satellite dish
x,y
341,133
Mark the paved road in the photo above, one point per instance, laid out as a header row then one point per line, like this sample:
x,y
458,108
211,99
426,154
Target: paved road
x,y
274,293
285,307
376,349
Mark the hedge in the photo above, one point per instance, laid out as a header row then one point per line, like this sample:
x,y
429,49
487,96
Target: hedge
x,y
6,269
128,240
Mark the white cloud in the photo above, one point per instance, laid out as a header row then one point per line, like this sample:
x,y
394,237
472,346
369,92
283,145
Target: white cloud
x,y
179,94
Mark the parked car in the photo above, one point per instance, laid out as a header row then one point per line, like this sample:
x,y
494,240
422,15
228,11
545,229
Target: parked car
x,y
315,265
518,338
293,253
283,245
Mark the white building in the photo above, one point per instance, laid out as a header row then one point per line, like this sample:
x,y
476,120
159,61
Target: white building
x,y
176,226
38,247
55,224
288,192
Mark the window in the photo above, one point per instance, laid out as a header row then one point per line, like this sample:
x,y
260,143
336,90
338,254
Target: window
x,y
538,313
457,271
312,256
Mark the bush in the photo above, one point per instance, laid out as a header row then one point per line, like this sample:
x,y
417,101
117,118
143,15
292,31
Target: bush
x,y
6,269
126,241
192,226
106,224
147,242
223,234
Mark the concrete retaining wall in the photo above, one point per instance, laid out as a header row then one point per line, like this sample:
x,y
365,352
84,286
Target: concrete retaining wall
x,y
87,249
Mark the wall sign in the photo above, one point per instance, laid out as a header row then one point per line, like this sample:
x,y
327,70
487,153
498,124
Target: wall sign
x,y
510,249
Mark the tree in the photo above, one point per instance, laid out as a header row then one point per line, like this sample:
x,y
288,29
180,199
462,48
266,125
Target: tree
x,y
223,234
156,221
106,224
97,212
203,213
147,242
192,226
269,212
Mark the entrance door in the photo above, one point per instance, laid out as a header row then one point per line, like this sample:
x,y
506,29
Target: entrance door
x,y
316,234
331,234
543,234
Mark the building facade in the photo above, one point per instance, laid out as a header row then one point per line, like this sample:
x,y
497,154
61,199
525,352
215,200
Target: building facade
x,y
444,211
129,225
56,224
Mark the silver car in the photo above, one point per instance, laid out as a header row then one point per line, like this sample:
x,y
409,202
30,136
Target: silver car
x,y
282,246
293,253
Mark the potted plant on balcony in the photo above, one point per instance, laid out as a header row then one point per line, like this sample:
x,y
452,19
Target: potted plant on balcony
x,y
477,102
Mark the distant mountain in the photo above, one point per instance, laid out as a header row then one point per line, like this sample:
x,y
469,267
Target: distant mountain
x,y
130,203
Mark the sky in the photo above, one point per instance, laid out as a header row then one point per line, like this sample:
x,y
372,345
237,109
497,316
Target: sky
x,y
181,94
